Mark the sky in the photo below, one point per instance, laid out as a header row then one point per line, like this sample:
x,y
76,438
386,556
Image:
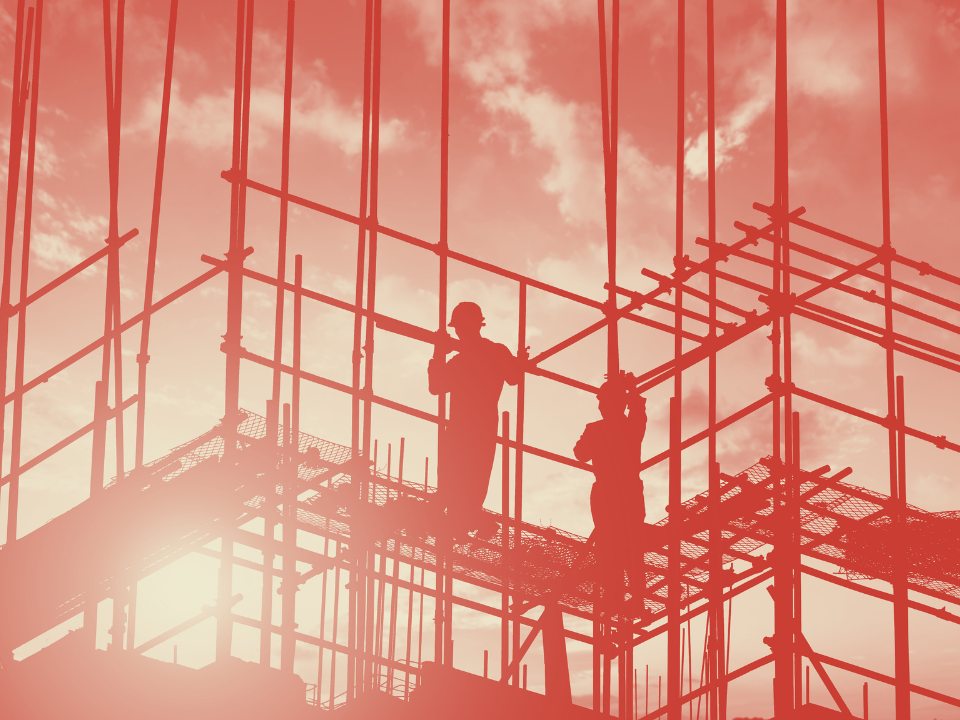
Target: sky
x,y
526,194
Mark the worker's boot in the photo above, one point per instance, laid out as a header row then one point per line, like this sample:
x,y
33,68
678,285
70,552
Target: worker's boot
x,y
487,527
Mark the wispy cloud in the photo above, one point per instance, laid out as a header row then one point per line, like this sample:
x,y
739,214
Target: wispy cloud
x,y
63,233
205,120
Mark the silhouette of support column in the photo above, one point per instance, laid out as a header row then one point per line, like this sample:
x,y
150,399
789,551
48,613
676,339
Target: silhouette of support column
x,y
231,340
784,580
505,552
288,603
556,668
515,557
20,105
674,666
356,623
17,115
443,650
266,593
901,560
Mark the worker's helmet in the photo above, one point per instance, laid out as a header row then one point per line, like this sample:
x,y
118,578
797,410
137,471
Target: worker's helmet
x,y
614,388
466,312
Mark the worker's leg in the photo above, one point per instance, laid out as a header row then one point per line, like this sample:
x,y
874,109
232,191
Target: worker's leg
x,y
476,455
636,569
608,548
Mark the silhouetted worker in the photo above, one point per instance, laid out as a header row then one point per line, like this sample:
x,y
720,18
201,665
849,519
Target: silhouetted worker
x,y
474,377
612,445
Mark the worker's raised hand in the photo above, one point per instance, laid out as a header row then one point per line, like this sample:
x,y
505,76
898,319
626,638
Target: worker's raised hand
x,y
636,401
443,344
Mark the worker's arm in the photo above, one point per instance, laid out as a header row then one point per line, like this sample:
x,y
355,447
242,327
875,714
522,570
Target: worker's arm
x,y
511,368
438,376
637,412
583,450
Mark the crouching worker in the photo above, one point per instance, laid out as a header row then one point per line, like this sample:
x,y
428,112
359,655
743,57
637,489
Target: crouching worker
x,y
612,446
474,377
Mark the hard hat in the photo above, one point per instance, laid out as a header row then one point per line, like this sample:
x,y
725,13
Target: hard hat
x,y
614,388
466,312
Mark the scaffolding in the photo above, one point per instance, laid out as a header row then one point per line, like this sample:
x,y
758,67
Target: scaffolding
x,y
379,540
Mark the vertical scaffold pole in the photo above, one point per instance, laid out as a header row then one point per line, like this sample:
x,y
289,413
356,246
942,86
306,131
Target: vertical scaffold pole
x,y
609,98
674,639
101,410
625,634
793,510
17,427
900,565
288,600
291,424
675,669
784,581
505,553
143,357
608,121
13,188
284,213
269,533
515,556
356,622
368,346
231,341
443,637
901,632
716,671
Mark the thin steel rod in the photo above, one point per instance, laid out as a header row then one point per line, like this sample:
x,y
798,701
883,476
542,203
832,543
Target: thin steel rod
x,y
284,213
506,554
323,614
357,601
336,625
674,688
17,427
940,613
291,434
143,356
289,582
407,647
13,189
855,292
443,638
235,256
901,600
674,640
827,258
369,337
922,267
515,559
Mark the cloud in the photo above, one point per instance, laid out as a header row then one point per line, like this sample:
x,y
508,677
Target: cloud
x,y
205,120
732,133
493,45
563,130
47,162
61,232
491,38
948,28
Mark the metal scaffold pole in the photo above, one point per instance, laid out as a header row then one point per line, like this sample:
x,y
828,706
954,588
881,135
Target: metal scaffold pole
x,y
443,637
674,651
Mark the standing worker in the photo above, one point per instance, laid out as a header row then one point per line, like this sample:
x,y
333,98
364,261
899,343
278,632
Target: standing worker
x,y
612,445
474,377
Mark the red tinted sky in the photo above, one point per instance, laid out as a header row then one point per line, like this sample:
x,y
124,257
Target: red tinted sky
x,y
525,193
